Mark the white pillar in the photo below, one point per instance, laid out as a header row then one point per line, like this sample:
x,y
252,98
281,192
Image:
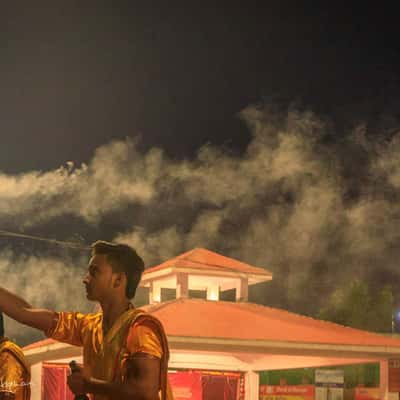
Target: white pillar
x,y
182,285
36,381
213,292
251,385
154,293
384,379
242,290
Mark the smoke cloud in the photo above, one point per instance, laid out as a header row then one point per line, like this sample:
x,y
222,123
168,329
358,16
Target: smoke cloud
x,y
45,282
311,204
116,176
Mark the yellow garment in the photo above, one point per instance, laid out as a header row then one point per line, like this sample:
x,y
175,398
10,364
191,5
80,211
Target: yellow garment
x,y
104,357
14,372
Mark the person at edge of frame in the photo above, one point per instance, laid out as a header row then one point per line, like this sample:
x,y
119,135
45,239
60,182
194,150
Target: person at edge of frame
x,y
125,350
14,371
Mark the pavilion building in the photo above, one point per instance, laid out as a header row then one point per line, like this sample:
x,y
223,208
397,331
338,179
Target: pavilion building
x,y
219,349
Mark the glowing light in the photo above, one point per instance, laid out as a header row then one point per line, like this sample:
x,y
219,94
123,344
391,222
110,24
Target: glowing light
x,y
155,293
157,297
213,293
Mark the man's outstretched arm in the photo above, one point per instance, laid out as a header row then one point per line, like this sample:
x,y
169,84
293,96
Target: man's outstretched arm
x,y
20,310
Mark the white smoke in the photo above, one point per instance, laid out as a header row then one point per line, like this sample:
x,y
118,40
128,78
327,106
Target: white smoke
x,y
311,206
116,176
45,282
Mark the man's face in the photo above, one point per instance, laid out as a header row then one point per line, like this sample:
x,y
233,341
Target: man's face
x,y
99,278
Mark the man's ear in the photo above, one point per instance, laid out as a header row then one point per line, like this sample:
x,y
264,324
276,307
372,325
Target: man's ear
x,y
119,279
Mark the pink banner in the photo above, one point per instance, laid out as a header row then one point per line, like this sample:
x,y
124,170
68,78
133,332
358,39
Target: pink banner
x,y
186,385
54,382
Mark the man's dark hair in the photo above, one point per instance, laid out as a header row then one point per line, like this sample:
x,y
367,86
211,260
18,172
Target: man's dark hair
x,y
1,325
122,258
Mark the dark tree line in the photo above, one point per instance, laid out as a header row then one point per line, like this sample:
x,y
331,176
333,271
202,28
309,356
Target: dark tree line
x,y
357,306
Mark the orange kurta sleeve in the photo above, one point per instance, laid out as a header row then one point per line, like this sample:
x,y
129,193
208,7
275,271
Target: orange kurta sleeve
x,y
146,337
70,327
142,338
11,373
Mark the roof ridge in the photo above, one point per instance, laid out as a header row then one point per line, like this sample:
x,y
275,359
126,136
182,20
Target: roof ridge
x,y
226,263
39,343
189,253
219,255
230,268
283,311
178,257
314,320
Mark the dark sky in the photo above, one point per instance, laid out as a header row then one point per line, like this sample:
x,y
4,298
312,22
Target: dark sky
x,y
76,75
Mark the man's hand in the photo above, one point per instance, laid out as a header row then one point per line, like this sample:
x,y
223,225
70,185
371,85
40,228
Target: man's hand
x,y
142,382
77,382
7,396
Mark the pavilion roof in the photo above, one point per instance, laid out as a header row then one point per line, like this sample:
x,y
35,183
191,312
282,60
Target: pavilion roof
x,y
203,261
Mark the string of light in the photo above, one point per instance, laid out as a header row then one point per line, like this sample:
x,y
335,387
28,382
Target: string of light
x,y
72,245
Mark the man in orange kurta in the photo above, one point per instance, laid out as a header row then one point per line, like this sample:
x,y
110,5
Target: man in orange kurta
x,y
107,356
125,350
14,372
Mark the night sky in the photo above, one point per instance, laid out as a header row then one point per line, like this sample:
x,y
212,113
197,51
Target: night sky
x,y
266,132
75,76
